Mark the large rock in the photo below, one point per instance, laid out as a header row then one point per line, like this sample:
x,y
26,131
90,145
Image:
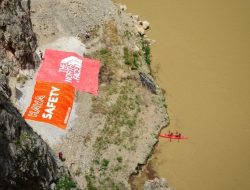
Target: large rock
x,y
145,24
25,160
17,40
140,30
123,7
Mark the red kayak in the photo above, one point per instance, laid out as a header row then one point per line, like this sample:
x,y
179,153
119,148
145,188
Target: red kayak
x,y
172,136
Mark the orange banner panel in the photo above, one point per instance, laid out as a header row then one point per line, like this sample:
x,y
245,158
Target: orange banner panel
x,y
51,103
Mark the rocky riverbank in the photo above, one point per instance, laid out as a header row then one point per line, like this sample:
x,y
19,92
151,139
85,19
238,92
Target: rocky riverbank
x,y
125,119
116,131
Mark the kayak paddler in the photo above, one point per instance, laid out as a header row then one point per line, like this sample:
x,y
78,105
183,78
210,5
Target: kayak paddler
x,y
170,134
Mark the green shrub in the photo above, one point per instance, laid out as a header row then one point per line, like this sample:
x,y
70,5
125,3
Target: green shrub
x,y
126,56
135,60
131,58
127,34
105,163
119,159
146,51
90,185
104,51
78,172
65,183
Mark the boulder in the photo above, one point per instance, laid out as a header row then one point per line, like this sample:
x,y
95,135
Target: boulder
x,y
26,161
123,7
135,17
145,24
140,30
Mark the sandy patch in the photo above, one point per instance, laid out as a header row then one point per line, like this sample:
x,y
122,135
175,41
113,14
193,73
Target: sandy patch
x,y
66,44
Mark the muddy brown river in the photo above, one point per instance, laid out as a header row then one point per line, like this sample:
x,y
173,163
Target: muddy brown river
x,y
202,59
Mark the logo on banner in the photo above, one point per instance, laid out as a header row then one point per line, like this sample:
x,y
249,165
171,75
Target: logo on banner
x,y
50,105
71,66
35,107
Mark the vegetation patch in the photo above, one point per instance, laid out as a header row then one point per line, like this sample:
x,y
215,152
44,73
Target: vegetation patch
x,y
109,64
128,34
119,159
119,104
103,180
131,58
22,78
105,163
22,139
146,50
90,182
119,121
65,183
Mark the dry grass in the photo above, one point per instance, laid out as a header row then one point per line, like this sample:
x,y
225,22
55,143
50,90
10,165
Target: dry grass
x,y
111,34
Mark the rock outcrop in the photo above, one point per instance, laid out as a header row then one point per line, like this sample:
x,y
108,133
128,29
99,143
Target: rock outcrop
x,y
26,162
17,41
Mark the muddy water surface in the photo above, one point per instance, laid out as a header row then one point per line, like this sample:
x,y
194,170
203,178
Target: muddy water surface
x,y
202,56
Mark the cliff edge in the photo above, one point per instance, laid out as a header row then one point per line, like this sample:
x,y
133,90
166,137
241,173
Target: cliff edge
x,y
25,160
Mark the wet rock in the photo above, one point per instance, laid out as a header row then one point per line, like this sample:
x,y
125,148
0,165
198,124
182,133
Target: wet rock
x,y
156,184
147,82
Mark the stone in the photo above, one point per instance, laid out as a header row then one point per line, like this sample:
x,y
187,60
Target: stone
x,y
147,82
156,184
53,186
140,30
136,49
123,7
135,17
145,25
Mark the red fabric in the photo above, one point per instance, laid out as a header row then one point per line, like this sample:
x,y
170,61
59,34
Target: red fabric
x,y
69,67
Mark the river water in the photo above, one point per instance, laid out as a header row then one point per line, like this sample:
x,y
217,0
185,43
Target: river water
x,y
202,60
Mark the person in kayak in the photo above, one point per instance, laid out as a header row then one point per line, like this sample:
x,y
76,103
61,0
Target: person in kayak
x,y
170,134
177,134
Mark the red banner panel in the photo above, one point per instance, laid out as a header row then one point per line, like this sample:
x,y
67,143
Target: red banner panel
x,y
69,67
